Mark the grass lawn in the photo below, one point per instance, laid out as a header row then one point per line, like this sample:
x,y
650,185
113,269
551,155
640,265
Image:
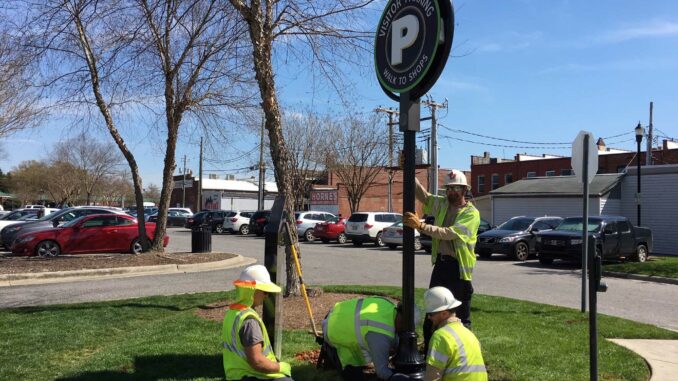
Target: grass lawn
x,y
162,338
654,266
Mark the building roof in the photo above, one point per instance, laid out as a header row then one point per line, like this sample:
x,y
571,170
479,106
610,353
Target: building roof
x,y
559,186
237,185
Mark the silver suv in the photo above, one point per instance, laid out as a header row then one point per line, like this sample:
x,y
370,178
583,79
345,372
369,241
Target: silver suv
x,y
367,226
306,222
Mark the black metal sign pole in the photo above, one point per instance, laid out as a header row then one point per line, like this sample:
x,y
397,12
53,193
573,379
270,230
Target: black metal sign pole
x,y
408,359
274,260
585,222
593,310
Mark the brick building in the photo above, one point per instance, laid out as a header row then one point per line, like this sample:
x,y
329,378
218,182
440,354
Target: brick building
x,y
376,198
490,173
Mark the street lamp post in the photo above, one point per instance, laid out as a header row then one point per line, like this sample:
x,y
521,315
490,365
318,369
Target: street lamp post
x,y
640,131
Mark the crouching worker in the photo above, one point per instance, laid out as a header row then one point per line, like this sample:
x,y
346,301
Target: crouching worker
x,y
248,355
454,351
362,331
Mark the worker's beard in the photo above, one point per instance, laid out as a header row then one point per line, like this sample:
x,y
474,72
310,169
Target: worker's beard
x,y
454,198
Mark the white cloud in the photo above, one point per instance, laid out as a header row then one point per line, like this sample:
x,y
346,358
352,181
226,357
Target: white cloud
x,y
644,64
653,29
509,42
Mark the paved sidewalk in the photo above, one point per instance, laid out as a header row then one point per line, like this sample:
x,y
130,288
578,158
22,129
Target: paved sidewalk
x,y
661,355
120,272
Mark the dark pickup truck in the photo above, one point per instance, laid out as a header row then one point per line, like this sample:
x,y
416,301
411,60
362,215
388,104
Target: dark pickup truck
x,y
615,237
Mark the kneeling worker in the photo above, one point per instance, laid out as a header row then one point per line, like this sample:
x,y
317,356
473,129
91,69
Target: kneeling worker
x,y
248,354
454,351
359,331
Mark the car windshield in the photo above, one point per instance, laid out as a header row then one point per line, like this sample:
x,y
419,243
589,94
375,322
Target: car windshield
x,y
333,220
397,225
73,222
50,216
575,224
517,224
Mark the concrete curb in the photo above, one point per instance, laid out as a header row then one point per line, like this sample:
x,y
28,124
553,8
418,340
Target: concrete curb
x,y
660,356
647,278
120,272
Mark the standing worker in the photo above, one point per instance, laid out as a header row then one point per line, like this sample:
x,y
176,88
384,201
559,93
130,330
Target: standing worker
x,y
454,235
359,331
454,351
248,355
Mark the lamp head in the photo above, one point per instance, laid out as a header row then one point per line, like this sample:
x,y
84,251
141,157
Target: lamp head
x,y
640,131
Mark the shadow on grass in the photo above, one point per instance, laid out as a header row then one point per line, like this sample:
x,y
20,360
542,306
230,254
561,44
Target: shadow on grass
x,y
179,366
88,306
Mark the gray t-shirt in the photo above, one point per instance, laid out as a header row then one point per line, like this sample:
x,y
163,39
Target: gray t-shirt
x,y
250,333
380,347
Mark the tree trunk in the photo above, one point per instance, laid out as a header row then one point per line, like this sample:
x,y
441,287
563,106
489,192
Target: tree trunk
x,y
262,45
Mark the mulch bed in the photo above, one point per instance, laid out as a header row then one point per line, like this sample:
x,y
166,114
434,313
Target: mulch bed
x,y
17,265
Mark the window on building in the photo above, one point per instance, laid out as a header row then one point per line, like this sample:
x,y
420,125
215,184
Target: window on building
x,y
531,174
495,181
508,178
566,172
481,184
550,173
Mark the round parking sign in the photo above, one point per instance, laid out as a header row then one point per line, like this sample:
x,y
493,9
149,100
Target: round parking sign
x,y
412,42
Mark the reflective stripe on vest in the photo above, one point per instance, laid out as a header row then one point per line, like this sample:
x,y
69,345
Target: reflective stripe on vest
x,y
463,366
233,345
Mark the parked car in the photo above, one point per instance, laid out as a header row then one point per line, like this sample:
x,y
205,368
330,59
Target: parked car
x,y
52,220
367,226
258,221
614,237
213,218
98,233
393,236
239,222
306,222
175,217
426,242
18,215
330,230
515,237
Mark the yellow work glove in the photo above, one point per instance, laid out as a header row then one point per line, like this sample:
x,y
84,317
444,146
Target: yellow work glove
x,y
285,368
412,220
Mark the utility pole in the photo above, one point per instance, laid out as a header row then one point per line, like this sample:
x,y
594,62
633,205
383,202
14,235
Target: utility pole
x,y
262,168
391,122
199,207
433,184
183,186
648,154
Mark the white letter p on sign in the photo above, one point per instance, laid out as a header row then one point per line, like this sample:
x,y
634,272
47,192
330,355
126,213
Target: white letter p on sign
x,y
404,34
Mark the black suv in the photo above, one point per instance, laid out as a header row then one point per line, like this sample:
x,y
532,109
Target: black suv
x,y
213,218
9,233
258,221
426,242
515,237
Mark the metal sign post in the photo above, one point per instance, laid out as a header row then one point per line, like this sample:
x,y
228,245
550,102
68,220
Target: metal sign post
x,y
274,250
412,43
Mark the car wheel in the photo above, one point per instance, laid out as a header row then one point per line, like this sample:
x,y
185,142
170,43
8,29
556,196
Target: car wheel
x,y
244,230
378,241
357,243
342,238
47,249
136,247
392,246
219,228
417,243
521,251
325,240
545,260
308,235
641,254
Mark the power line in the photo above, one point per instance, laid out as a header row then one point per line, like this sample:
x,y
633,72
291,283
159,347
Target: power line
x,y
502,139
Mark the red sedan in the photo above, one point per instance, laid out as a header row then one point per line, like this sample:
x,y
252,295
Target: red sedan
x,y
331,230
97,233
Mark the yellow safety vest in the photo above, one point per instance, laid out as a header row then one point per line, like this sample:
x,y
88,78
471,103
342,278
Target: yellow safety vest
x,y
351,320
235,361
456,351
465,224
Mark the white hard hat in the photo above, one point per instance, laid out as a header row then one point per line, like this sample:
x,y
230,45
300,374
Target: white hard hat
x,y
439,299
257,277
456,177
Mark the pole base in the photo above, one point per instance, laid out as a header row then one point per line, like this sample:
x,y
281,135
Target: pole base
x,y
408,360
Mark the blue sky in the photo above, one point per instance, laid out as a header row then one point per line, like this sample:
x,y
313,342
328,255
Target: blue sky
x,y
523,70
